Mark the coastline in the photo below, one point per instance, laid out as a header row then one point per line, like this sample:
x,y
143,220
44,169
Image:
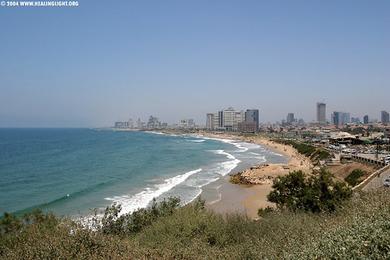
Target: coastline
x,y
248,198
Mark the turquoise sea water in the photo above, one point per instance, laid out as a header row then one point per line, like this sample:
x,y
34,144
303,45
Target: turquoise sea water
x,y
71,171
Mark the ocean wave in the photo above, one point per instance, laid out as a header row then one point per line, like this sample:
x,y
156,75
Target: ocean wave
x,y
226,167
222,152
161,133
197,195
277,154
197,141
143,198
64,198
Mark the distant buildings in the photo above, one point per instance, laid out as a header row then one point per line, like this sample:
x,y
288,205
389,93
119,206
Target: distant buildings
x,y
186,123
365,119
355,120
290,118
233,120
140,124
153,123
384,117
340,118
321,113
121,125
209,121
252,120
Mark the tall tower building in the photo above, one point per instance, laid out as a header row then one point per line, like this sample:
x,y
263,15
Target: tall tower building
x,y
321,113
365,119
252,116
385,117
290,118
210,121
341,118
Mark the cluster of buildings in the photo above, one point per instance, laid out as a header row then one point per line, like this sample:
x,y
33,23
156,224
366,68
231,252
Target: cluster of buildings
x,y
247,121
340,119
153,123
233,120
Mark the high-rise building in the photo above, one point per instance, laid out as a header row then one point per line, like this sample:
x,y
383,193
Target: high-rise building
x,y
290,118
227,119
340,118
210,121
121,124
231,119
252,117
139,124
321,113
384,117
355,120
186,123
130,123
153,123
365,119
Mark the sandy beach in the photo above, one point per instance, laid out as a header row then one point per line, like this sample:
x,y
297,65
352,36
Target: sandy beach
x,y
249,198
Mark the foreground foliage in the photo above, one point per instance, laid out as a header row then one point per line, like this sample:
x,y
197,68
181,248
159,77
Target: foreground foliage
x,y
358,230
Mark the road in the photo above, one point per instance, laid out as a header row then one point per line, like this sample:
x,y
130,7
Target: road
x,y
377,182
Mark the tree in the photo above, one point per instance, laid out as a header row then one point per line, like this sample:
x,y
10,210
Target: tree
x,y
318,193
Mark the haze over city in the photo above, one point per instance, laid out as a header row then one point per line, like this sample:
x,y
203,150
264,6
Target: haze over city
x,y
102,62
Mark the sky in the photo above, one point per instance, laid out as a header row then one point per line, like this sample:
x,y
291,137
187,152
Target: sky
x,y
105,61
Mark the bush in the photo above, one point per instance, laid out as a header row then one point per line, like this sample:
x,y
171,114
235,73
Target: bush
x,y
359,230
264,212
354,178
317,193
126,224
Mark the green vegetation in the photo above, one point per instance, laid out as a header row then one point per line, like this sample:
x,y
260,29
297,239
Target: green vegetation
x,y
318,193
128,224
315,154
359,229
302,148
355,177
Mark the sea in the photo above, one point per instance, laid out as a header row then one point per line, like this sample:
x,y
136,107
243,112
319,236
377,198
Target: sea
x,y
72,172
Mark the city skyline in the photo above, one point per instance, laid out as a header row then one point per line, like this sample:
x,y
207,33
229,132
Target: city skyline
x,y
246,119
98,63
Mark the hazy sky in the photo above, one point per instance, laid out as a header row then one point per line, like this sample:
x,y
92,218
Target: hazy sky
x,y
110,60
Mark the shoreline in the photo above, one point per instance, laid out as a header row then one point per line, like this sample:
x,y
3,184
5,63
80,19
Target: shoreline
x,y
248,198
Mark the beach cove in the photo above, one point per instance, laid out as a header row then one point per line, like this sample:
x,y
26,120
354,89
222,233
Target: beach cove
x,y
248,198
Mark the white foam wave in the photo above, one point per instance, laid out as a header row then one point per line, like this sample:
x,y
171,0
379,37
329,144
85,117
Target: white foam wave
x,y
143,198
197,141
225,168
197,195
222,152
277,154
160,133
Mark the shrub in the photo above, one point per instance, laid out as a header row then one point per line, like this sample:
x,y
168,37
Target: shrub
x,y
317,193
263,212
126,224
354,178
359,230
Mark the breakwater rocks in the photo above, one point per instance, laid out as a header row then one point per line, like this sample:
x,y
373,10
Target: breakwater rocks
x,y
251,177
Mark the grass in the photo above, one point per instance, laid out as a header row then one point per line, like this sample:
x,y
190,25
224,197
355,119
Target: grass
x,y
360,229
355,177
